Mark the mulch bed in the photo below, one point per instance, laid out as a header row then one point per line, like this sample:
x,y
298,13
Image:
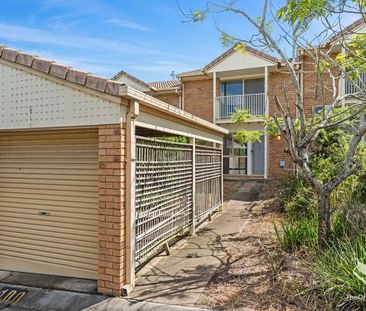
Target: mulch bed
x,y
257,275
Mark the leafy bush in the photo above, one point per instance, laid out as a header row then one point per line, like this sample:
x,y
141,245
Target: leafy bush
x,y
297,197
349,220
300,226
175,139
342,275
297,234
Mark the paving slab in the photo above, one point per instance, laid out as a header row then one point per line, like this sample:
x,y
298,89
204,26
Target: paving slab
x,y
181,277
38,299
249,190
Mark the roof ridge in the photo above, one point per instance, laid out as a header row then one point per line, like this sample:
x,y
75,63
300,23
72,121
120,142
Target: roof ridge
x,y
131,77
159,81
347,29
233,49
226,54
60,71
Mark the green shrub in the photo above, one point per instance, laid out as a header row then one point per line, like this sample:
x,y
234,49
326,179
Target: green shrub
x,y
341,273
297,197
296,234
175,139
300,226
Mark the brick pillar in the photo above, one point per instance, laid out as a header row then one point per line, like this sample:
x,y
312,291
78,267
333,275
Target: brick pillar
x,y
112,187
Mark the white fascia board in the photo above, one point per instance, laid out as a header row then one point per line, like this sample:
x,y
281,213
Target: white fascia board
x,y
159,105
237,61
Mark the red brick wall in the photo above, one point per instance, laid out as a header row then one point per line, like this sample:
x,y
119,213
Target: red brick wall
x,y
198,98
317,90
112,187
280,85
171,99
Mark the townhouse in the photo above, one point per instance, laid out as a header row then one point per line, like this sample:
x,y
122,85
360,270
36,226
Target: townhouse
x,y
236,81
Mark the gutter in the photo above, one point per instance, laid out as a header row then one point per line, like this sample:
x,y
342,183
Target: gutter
x,y
151,102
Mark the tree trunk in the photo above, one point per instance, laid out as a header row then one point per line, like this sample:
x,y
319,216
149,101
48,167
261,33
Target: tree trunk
x,y
324,227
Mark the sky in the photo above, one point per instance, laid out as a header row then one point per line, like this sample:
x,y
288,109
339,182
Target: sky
x,y
146,38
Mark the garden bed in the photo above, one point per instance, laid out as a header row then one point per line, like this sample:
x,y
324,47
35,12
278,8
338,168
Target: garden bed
x,y
257,275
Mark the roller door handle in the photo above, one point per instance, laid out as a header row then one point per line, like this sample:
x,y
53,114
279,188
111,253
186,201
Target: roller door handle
x,y
44,213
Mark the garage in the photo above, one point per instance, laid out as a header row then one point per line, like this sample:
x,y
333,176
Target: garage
x,y
49,202
87,175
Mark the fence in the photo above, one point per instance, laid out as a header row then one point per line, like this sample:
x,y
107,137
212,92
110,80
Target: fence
x,y
208,181
166,182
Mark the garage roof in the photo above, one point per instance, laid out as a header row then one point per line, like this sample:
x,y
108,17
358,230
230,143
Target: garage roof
x,y
103,85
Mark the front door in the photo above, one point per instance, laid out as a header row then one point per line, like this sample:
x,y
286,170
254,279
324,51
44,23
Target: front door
x,y
258,157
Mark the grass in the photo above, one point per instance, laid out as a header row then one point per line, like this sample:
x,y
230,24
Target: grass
x,y
341,274
297,234
340,269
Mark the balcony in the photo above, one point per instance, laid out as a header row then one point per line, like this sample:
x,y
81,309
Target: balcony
x,y
226,105
352,87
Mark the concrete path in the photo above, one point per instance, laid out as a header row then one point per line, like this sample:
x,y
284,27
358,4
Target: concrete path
x,y
38,299
249,190
181,277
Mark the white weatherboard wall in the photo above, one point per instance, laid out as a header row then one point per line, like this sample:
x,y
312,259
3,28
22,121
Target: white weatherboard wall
x,y
238,60
29,100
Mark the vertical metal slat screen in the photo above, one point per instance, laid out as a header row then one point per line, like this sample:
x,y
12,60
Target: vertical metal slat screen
x,y
163,194
208,181
164,191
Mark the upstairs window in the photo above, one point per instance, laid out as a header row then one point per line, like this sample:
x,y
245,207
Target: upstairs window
x,y
254,86
231,88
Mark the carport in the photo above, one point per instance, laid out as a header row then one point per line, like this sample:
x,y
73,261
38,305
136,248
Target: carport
x,y
90,186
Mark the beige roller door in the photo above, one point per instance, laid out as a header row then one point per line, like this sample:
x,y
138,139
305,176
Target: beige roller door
x,y
49,202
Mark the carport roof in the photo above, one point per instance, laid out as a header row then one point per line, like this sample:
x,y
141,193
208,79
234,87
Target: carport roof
x,y
61,71
103,85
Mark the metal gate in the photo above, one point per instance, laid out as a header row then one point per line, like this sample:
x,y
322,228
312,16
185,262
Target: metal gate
x,y
208,181
165,188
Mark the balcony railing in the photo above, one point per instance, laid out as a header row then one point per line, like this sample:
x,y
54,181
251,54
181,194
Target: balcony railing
x,y
352,87
226,105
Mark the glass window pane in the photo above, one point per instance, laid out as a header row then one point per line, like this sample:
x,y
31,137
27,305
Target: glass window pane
x,y
222,89
242,163
254,86
228,144
226,165
237,166
239,150
230,88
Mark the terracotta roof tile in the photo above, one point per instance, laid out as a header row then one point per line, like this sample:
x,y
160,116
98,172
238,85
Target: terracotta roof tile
x,y
347,29
41,65
76,76
25,59
165,85
9,54
95,83
195,72
61,71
